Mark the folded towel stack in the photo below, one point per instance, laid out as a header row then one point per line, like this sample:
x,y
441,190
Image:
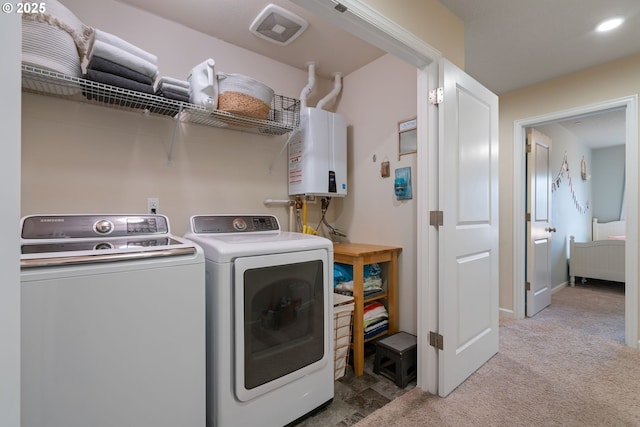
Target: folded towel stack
x,y
343,279
172,88
116,62
376,319
372,280
55,39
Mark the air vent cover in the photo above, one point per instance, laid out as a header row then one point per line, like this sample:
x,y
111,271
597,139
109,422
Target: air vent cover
x,y
278,25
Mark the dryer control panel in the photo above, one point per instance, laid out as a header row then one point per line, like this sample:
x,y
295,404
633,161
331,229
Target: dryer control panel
x,y
234,223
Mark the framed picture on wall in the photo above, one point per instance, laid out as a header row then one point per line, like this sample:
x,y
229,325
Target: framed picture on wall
x,y
407,137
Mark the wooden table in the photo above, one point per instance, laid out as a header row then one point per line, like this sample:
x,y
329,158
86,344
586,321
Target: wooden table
x,y
358,255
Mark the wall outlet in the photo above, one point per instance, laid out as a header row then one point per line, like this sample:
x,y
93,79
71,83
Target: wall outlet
x,y
153,205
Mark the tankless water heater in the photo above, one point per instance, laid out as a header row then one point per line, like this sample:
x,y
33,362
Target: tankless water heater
x,y
318,154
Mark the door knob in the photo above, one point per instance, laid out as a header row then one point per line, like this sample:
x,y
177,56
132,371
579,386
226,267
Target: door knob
x,y
550,229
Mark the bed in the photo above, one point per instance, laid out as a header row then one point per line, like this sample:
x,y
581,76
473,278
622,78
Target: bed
x,y
603,257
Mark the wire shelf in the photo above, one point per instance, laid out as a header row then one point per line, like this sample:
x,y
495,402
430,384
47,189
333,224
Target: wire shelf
x,y
284,115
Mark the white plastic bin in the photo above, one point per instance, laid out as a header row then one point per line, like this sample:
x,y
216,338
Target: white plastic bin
x,y
343,307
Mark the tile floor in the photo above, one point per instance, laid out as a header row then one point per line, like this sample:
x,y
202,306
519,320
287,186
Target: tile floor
x,y
356,397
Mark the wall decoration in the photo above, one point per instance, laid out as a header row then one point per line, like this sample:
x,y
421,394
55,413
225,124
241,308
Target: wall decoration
x,y
402,184
565,172
583,170
385,170
407,137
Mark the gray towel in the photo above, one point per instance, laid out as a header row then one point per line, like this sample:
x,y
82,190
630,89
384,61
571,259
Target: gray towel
x,y
118,81
124,58
173,95
101,64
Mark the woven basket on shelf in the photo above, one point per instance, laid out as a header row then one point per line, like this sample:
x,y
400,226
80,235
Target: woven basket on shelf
x,y
243,95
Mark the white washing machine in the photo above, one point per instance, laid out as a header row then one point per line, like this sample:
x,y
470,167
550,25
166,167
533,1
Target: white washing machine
x,y
269,320
113,323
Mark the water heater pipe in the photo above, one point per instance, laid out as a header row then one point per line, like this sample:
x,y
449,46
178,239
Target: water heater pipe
x,y
310,85
337,86
275,202
292,217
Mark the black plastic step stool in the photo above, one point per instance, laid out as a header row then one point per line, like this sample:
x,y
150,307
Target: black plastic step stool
x,y
396,358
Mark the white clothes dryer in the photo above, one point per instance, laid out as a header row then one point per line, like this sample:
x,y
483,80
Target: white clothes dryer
x,y
269,320
113,323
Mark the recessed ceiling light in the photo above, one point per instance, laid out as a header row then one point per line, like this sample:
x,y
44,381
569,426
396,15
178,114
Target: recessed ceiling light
x,y
609,25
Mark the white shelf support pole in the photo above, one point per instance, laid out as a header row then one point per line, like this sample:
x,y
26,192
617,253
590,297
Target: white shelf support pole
x,y
177,122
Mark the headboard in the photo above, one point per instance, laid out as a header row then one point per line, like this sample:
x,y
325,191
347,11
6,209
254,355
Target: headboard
x,y
606,230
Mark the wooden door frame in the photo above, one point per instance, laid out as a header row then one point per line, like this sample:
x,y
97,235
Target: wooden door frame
x,y
630,103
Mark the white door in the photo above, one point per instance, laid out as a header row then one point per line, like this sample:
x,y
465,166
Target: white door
x,y
538,274
468,237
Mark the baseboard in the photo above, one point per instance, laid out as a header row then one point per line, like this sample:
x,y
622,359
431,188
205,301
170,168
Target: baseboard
x,y
503,312
558,287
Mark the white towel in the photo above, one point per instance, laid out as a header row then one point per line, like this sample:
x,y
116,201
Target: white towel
x,y
375,313
124,58
173,81
173,88
116,41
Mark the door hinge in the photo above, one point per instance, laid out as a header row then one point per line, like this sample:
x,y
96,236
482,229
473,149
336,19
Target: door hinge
x,y
527,286
436,218
436,340
436,96
340,8
529,148
527,217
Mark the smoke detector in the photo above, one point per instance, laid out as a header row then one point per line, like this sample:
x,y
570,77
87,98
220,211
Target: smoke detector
x,y
278,25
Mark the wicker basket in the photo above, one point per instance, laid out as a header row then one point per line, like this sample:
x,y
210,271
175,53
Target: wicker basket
x,y
343,324
243,95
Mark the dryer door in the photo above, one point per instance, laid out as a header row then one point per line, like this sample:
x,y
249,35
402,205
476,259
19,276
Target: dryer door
x,y
282,307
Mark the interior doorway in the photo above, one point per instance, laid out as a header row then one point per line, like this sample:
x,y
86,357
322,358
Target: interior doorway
x,y
584,181
630,105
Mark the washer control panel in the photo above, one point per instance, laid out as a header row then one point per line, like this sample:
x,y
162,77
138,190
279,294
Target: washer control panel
x,y
104,226
88,226
234,223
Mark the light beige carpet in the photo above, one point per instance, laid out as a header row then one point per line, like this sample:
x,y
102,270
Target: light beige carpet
x,y
567,366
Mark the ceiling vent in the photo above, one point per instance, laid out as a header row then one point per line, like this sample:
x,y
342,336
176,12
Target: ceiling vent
x,y
278,25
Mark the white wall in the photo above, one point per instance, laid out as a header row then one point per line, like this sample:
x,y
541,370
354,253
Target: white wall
x,y
375,98
9,221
